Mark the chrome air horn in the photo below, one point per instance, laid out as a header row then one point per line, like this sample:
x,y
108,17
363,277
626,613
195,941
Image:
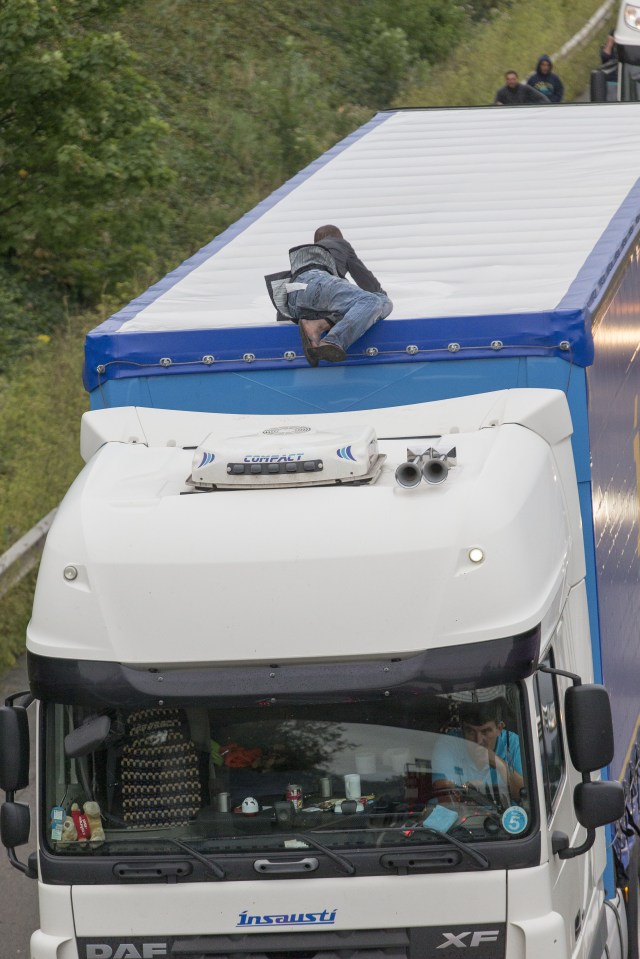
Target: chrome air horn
x,y
409,474
428,464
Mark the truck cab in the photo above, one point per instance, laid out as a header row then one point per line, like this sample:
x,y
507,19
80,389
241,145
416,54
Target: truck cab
x,y
255,685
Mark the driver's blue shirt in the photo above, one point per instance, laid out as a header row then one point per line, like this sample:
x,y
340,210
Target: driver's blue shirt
x,y
453,760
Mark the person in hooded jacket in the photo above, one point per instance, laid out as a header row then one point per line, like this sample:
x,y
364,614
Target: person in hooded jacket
x,y
547,82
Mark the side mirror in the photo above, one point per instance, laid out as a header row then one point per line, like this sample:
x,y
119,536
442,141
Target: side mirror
x,y
596,804
14,748
15,824
589,727
599,803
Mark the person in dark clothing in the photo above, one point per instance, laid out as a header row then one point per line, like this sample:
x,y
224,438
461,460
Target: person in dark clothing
x,y
515,94
319,285
609,49
547,82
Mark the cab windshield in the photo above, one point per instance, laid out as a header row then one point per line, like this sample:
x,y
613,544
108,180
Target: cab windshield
x,y
258,779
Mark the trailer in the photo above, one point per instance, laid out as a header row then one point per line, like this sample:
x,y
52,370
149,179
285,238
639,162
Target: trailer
x,y
345,658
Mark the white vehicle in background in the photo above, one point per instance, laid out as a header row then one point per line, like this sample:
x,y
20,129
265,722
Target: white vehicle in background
x,y
280,607
619,78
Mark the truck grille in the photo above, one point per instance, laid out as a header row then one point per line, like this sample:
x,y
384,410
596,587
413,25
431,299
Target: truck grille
x,y
359,944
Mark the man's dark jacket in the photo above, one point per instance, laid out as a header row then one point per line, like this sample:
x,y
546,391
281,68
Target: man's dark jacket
x,y
519,95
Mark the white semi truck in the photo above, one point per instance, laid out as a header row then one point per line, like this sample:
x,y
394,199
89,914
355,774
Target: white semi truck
x,y
319,656
618,77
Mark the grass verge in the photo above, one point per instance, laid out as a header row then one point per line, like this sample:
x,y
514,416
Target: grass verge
x,y
513,40
41,406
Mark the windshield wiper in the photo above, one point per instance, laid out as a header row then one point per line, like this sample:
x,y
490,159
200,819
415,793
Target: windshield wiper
x,y
479,857
211,864
342,861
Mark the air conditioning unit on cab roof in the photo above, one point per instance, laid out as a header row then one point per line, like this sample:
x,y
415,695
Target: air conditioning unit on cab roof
x,y
286,456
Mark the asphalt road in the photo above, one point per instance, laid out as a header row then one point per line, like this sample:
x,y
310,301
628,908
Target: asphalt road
x,y
18,895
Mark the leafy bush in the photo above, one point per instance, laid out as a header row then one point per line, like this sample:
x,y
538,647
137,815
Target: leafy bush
x,y
30,311
80,137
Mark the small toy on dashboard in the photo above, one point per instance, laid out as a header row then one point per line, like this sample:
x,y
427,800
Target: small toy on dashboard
x,y
92,813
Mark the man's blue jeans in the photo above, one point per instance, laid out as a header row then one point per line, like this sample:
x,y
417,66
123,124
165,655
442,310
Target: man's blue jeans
x,y
331,294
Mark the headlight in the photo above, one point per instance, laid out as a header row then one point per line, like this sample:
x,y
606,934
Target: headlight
x,y
632,16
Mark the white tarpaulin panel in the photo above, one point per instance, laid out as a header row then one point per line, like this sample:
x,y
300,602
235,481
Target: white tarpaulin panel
x,y
457,212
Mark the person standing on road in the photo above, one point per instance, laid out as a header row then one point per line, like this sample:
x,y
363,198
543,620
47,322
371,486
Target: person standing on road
x,y
545,81
516,94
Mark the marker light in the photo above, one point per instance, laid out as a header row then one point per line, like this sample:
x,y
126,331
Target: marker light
x,y
632,16
476,555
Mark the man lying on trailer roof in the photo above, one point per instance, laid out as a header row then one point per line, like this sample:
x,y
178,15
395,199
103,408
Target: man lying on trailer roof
x,y
319,285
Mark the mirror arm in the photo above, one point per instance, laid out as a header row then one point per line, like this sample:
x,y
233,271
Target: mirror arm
x,y
572,852
575,679
26,868
25,694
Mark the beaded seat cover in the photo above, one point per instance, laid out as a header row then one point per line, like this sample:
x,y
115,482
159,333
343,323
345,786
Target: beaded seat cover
x,y
160,781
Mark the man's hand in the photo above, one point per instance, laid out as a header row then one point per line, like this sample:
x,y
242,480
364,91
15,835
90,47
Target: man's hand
x,y
447,791
506,775
480,755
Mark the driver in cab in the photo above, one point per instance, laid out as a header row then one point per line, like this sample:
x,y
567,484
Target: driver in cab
x,y
482,754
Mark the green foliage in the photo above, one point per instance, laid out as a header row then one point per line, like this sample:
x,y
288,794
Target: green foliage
x,y
384,40
40,410
30,311
15,612
303,119
384,58
79,139
432,29
254,96
41,406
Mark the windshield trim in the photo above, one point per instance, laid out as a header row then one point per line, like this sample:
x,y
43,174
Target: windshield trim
x,y
445,669
80,869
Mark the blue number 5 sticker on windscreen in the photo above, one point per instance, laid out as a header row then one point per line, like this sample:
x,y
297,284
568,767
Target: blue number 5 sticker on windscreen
x,y
514,820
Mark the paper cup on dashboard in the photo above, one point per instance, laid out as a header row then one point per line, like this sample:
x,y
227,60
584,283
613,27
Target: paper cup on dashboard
x,y
352,789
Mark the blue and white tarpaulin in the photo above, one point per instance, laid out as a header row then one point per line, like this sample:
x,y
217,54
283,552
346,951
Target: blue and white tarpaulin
x,y
486,226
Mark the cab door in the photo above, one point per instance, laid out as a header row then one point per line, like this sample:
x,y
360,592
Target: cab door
x,y
574,885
